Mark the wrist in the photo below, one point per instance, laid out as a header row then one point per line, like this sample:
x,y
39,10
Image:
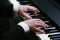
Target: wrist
x,y
24,26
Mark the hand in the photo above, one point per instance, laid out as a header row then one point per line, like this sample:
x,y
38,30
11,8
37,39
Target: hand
x,y
34,23
25,8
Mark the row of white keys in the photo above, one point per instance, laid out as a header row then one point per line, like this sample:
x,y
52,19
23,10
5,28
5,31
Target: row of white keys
x,y
45,36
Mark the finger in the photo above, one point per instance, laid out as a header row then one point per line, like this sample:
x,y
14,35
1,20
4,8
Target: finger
x,y
25,15
35,13
34,10
37,19
46,25
38,10
39,30
41,24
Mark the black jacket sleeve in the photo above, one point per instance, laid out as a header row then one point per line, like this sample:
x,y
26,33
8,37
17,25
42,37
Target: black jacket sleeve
x,y
7,32
6,8
15,33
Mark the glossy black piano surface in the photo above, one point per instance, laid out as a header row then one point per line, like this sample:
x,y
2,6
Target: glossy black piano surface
x,y
48,8
55,3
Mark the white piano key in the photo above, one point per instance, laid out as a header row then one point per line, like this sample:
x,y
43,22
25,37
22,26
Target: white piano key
x,y
46,21
50,28
43,36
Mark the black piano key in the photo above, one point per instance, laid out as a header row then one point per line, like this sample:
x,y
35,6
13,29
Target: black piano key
x,y
52,31
53,35
47,32
38,16
29,4
56,38
25,2
51,26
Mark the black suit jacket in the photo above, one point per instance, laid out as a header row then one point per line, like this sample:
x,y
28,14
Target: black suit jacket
x,y
6,31
9,30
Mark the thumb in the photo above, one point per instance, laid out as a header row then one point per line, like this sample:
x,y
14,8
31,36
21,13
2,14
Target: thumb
x,y
26,16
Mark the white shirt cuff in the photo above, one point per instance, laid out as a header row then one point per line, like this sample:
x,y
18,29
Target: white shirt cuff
x,y
24,26
16,5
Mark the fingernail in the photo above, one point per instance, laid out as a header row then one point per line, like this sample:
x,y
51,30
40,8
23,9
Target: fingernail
x,y
38,11
42,31
35,14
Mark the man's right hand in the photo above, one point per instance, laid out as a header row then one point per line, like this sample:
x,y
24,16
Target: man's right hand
x,y
35,23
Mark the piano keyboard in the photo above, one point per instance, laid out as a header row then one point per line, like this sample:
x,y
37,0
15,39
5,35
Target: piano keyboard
x,y
52,33
50,36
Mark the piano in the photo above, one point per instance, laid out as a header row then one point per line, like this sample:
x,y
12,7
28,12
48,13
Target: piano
x,y
50,14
